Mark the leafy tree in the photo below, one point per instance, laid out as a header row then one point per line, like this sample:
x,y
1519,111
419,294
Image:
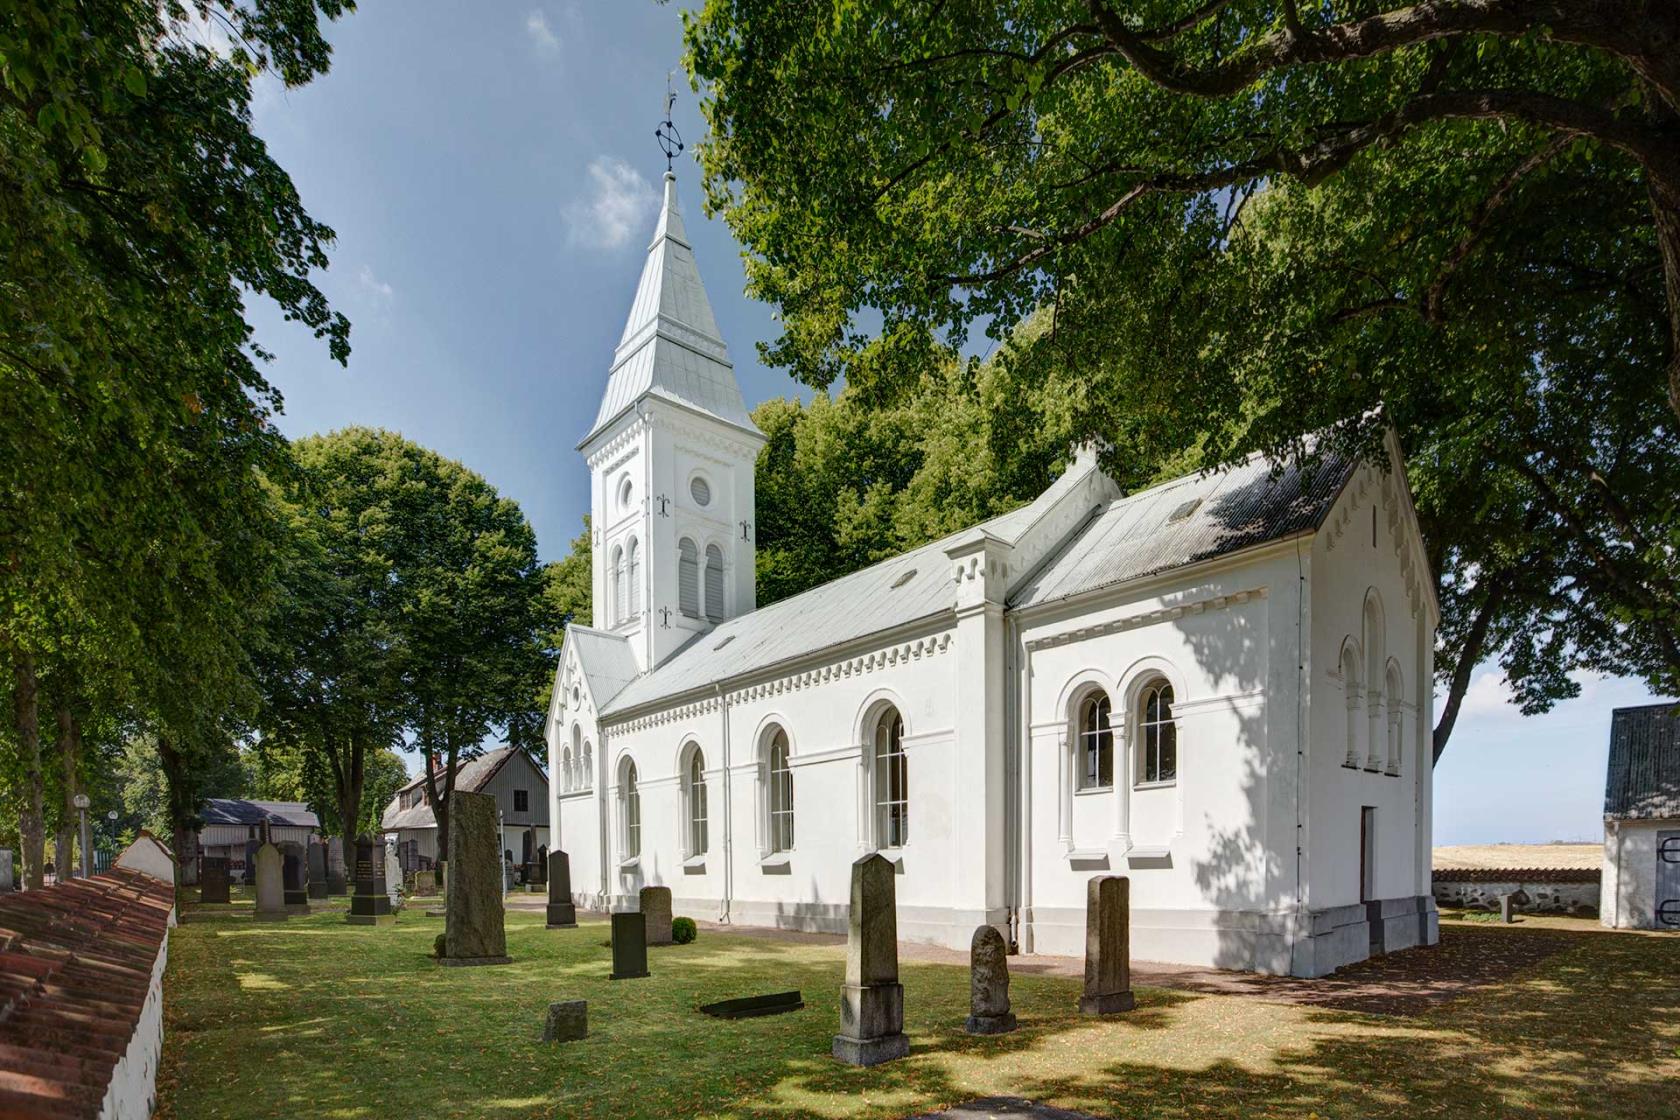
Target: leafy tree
x,y
1246,221
137,209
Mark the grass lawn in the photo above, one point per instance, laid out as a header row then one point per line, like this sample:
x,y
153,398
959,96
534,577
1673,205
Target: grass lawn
x,y
315,1017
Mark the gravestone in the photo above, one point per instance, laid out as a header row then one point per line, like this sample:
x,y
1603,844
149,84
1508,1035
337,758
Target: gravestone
x,y
425,883
271,891
542,864
213,880
988,984
568,1021
338,881
655,903
317,870
370,905
393,873
251,847
872,1000
561,913
473,906
1507,908
8,877
1108,945
294,877
629,947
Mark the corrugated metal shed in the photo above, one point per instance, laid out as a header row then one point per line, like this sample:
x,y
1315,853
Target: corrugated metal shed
x,y
238,811
1643,778
671,347
1187,520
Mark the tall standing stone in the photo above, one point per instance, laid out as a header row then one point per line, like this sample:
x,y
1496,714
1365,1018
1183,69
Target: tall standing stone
x,y
338,882
393,873
629,947
561,913
213,880
271,891
655,903
294,877
473,930
988,984
1108,946
872,1000
370,905
317,870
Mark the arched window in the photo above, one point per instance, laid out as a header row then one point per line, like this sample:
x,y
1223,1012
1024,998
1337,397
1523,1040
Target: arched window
x,y
635,578
688,578
1157,734
696,783
779,794
1376,648
566,770
1350,690
1096,743
1391,706
617,585
714,583
630,811
892,782
588,779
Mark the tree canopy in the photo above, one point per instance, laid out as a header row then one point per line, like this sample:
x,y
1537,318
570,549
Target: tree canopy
x,y
1243,222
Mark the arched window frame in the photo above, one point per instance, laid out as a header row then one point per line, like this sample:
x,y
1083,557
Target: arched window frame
x,y
588,781
696,818
688,578
890,767
629,812
1093,742
1353,697
1374,639
1394,707
714,584
565,769
778,792
634,566
1156,754
617,605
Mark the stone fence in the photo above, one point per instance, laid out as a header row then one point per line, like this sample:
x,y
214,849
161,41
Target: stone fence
x,y
81,996
1548,890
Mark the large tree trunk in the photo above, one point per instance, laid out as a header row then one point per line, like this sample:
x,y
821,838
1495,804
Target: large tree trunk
x,y
440,801
1665,211
31,822
68,742
181,811
349,778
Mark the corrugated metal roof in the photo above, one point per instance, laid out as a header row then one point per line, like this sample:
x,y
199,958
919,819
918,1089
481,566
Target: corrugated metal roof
x,y
671,347
1643,778
1187,520
239,811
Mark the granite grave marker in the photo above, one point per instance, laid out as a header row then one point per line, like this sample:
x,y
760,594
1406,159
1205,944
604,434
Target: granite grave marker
x,y
872,1000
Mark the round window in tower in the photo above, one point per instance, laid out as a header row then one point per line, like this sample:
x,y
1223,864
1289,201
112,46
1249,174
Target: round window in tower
x,y
701,490
625,492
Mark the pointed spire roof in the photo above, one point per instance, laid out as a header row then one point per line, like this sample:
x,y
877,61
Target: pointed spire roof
x,y
671,347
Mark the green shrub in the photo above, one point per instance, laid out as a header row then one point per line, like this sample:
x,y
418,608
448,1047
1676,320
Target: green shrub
x,y
437,946
683,930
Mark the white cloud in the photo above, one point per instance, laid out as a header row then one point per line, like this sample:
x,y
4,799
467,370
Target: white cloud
x,y
620,205
1488,696
373,287
542,35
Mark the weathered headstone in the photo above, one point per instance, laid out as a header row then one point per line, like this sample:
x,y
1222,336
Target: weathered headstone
x,y
988,984
542,864
655,904
393,873
294,877
1507,908
1108,945
338,881
251,847
561,913
271,891
370,905
213,880
473,920
568,1021
629,947
317,870
872,1000
425,884
8,877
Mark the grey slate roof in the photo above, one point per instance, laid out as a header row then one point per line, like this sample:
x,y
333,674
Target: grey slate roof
x,y
671,347
606,659
1643,778
1190,519
237,810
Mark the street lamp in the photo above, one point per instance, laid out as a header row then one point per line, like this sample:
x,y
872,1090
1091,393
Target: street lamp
x,y
81,801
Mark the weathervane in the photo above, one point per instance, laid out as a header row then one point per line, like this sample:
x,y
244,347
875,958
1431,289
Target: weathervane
x,y
670,140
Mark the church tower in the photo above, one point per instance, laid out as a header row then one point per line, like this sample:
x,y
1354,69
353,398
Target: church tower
x,y
671,457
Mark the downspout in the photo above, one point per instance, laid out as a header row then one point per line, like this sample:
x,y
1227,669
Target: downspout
x,y
601,811
1015,732
1301,923
728,811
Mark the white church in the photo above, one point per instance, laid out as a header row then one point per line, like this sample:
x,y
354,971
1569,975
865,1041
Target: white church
x,y
1219,687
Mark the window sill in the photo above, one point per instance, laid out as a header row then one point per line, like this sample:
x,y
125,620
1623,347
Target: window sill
x,y
1148,855
776,861
695,863
630,864
1156,785
1092,791
1088,855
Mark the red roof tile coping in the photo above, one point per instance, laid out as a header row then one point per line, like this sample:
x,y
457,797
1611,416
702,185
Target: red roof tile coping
x,y
76,964
1517,875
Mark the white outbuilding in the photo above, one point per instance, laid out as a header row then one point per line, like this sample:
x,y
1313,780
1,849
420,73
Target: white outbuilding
x,y
1640,888
1219,687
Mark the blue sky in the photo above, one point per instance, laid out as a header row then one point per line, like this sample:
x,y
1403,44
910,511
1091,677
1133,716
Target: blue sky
x,y
491,172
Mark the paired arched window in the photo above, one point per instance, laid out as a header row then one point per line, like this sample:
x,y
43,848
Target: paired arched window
x,y
694,784
1395,710
567,782
1157,753
634,568
1350,689
892,782
630,811
714,583
618,612
1376,645
688,578
586,778
1096,743
778,794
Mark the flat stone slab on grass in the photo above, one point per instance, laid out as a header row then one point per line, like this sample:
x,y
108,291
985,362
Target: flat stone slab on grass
x,y
751,1007
568,1021
995,1108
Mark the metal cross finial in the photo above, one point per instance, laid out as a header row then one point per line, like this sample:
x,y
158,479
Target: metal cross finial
x,y
670,140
